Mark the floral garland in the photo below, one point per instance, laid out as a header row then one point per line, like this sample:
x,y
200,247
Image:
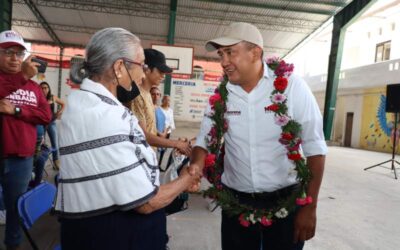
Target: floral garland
x,y
290,138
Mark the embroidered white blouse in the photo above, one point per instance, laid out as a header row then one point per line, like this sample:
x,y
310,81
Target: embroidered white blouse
x,y
106,163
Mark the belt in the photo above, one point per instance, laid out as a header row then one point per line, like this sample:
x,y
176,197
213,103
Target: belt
x,y
266,196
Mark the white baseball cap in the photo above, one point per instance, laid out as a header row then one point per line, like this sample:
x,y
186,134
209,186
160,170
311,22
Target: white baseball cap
x,y
236,33
10,38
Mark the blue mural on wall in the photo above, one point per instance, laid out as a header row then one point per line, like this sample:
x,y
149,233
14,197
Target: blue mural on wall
x,y
383,128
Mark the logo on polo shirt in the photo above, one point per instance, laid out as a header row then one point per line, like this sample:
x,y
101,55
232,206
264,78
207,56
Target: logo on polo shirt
x,y
233,112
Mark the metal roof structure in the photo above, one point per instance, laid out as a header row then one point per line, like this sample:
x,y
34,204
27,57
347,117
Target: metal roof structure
x,y
283,23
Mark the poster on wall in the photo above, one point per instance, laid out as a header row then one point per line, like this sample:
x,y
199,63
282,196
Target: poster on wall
x,y
189,98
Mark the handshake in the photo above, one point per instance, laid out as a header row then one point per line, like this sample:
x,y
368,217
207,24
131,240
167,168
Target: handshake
x,y
193,173
192,177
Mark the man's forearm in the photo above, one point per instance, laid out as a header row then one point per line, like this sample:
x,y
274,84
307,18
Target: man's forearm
x,y
198,157
316,164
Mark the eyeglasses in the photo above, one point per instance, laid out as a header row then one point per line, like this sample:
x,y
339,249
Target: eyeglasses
x,y
10,53
157,94
143,65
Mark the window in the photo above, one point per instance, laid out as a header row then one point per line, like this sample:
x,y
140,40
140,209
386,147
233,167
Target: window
x,y
382,52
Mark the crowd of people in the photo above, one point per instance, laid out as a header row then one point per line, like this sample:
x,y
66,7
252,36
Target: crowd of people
x,y
112,134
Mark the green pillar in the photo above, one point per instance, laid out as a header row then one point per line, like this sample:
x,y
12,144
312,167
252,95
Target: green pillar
x,y
6,14
335,59
170,40
341,21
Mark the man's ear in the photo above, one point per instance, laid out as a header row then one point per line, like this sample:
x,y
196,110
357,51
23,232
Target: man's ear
x,y
257,53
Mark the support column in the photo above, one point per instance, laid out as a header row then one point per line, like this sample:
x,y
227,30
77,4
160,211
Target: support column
x,y
170,40
6,14
60,71
341,21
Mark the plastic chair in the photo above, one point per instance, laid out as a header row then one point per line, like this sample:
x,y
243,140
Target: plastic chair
x,y
33,204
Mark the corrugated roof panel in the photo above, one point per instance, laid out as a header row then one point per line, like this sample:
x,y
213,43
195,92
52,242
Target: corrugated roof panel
x,y
29,33
198,32
73,37
22,11
61,16
282,25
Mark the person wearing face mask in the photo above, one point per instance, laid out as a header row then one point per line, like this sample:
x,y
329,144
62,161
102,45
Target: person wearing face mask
x,y
143,106
22,107
109,195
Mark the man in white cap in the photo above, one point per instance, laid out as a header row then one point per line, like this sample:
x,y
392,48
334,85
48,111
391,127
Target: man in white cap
x,y
22,107
257,171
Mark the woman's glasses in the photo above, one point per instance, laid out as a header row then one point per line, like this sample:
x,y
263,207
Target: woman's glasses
x,y
143,65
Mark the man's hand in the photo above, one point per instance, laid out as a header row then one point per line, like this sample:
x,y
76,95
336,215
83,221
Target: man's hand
x,y
305,223
194,170
29,68
6,107
183,147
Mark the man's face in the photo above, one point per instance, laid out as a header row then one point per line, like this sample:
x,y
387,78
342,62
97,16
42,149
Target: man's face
x,y
11,59
154,76
237,62
155,96
166,101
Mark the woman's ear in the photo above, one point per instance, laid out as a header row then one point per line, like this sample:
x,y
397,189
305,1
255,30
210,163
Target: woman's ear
x,y
117,67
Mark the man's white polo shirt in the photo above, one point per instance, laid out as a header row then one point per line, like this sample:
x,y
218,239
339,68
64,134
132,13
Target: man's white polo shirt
x,y
255,161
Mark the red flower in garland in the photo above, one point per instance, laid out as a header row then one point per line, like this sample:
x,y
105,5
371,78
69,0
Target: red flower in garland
x,y
273,107
215,98
280,83
295,147
213,132
304,201
294,157
210,160
265,221
287,136
243,221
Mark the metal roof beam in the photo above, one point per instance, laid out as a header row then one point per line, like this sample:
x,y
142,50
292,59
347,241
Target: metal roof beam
x,y
43,22
142,36
186,14
271,6
70,45
329,3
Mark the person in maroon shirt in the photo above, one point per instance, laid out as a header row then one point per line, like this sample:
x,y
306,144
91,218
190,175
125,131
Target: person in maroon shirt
x,y
22,107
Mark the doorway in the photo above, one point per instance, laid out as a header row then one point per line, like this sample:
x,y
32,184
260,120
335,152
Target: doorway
x,y
349,129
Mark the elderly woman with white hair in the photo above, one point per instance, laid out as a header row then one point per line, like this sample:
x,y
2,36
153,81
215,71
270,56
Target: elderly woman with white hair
x,y
109,195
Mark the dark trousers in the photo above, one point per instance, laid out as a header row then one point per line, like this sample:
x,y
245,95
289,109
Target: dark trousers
x,y
115,231
278,236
